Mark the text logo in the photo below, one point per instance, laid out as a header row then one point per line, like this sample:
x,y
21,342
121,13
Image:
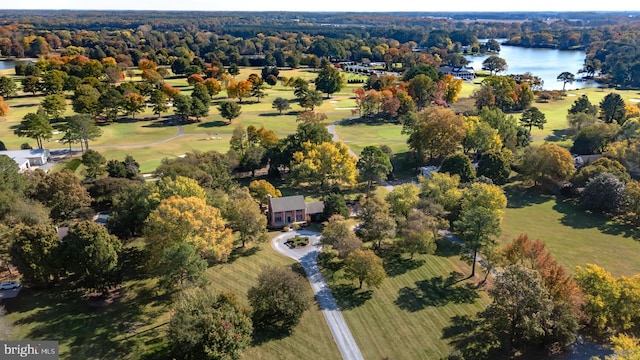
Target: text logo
x,y
27,349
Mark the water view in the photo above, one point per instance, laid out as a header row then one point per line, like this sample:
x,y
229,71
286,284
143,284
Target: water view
x,y
7,64
545,63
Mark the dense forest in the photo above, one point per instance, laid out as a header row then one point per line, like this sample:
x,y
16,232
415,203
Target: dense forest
x,y
286,39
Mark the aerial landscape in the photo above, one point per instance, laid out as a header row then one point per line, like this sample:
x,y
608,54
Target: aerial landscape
x,y
262,182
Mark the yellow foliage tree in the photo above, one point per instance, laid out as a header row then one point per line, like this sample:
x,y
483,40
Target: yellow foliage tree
x,y
323,163
188,220
180,186
261,189
549,162
486,195
625,347
451,88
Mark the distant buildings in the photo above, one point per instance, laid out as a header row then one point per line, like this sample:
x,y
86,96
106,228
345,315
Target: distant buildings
x,y
459,72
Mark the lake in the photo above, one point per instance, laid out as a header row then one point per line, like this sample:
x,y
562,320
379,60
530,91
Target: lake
x,y
545,63
7,64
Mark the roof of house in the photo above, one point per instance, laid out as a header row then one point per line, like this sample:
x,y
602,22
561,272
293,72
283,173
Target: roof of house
x,y
287,203
22,156
29,153
315,207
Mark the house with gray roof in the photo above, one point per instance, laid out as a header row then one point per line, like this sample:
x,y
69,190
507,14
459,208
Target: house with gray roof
x,y
28,158
288,210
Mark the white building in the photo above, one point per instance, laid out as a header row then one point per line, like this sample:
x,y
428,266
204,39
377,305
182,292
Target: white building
x,y
463,72
426,171
28,158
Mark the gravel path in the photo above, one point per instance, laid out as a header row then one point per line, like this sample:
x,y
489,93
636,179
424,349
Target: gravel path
x,y
308,256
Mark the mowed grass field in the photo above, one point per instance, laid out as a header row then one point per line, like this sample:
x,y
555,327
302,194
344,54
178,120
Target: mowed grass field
x,y
136,321
150,139
574,236
405,317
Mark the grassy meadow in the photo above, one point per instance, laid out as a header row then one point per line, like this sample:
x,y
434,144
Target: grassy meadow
x,y
405,317
135,323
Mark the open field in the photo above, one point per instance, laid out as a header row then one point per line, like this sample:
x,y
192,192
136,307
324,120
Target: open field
x,y
404,318
573,236
136,320
149,139
154,140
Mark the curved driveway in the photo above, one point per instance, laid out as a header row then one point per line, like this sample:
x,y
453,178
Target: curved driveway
x,y
308,256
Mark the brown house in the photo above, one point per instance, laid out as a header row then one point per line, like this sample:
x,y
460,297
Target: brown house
x,y
292,209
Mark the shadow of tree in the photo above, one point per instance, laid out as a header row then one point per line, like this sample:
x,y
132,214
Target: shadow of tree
x,y
240,252
215,123
471,340
558,135
578,218
161,124
89,332
447,248
436,292
520,196
348,296
395,264
264,335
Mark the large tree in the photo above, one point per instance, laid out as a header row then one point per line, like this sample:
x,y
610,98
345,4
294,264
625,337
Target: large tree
x,y
54,105
246,217
62,192
566,78
612,108
34,251
323,164
521,313
229,110
377,222
494,64
209,326
418,234
478,227
365,267
281,104
279,298
261,190
188,220
181,267
373,165
458,164
533,117
36,126
94,163
82,128
547,163
8,87
435,133
402,199
91,253
338,234
330,80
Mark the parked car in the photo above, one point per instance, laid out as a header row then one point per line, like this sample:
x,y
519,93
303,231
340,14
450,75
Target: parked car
x,y
7,285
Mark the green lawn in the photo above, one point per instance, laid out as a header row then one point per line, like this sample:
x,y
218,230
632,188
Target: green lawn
x,y
404,318
136,320
574,236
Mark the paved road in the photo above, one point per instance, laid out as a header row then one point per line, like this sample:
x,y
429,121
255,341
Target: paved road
x,y
307,256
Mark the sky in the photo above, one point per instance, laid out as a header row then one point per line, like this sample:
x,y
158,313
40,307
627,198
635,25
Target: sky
x,y
332,6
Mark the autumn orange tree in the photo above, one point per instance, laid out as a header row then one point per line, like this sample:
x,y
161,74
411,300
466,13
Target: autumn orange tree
x,y
188,220
4,108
